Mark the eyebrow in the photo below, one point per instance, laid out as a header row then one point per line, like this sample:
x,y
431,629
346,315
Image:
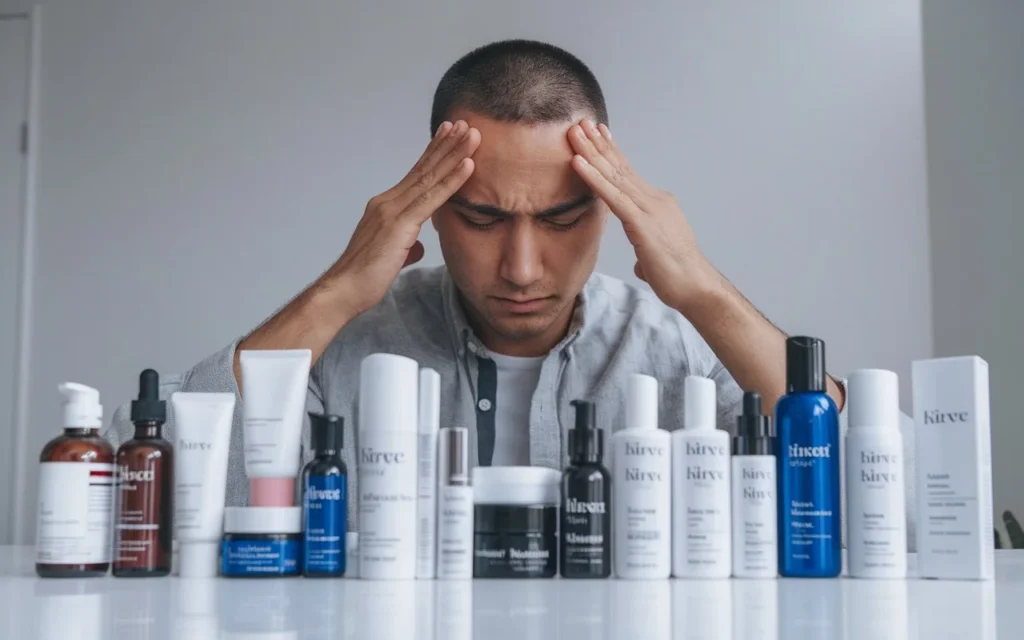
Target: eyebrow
x,y
497,212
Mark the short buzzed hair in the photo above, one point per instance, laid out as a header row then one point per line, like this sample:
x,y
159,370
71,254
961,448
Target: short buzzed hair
x,y
519,81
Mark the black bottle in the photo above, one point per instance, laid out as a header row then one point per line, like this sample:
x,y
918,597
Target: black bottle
x,y
325,499
586,536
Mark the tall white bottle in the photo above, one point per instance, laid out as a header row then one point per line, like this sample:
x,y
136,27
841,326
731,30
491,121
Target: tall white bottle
x,y
876,510
426,499
755,530
454,507
642,486
701,512
388,406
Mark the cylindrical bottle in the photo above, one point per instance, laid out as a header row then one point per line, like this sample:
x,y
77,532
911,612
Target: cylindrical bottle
x,y
325,499
388,406
755,549
807,450
876,507
701,515
455,507
642,487
427,480
76,492
145,491
585,537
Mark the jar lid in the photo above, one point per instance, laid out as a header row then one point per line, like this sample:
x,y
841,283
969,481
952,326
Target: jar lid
x,y
515,518
516,485
263,520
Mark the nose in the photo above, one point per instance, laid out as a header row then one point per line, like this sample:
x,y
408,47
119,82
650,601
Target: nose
x,y
521,262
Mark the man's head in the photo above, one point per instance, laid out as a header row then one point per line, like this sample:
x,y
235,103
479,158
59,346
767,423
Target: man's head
x,y
521,237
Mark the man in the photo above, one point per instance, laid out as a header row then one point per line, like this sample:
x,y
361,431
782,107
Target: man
x,y
519,181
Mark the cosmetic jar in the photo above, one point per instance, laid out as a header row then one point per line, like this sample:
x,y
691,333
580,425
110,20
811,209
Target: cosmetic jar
x,y
515,522
261,541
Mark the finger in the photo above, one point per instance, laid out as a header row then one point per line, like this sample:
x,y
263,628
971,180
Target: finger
x,y
621,204
601,137
415,254
427,202
436,150
443,167
608,166
442,133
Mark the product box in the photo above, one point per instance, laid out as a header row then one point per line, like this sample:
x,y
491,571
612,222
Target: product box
x,y
954,468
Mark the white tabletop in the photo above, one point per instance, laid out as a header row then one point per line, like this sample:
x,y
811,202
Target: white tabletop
x,y
287,608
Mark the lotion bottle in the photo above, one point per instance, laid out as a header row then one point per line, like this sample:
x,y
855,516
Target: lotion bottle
x,y
455,507
642,487
755,549
585,540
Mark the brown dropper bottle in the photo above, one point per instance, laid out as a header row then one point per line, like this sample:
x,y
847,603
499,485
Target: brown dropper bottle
x,y
145,500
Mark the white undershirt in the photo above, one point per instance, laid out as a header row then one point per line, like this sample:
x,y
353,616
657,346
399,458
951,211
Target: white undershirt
x,y
517,380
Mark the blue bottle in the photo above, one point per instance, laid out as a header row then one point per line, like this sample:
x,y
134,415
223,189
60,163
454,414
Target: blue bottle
x,y
325,499
807,453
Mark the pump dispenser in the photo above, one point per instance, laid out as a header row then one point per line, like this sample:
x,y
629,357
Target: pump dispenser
x,y
754,516
586,542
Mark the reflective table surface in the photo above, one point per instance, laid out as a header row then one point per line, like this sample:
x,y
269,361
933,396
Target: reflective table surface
x,y
289,608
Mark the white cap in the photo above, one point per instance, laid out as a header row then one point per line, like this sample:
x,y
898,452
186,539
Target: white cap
x,y
263,520
388,393
82,406
430,401
198,559
352,554
874,398
516,485
700,409
642,402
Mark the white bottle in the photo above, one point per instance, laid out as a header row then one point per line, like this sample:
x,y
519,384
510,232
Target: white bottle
x,y
701,513
642,484
755,532
426,500
455,507
387,467
875,504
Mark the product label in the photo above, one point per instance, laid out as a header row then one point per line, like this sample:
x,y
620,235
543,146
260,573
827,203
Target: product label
x,y
263,557
514,556
755,550
586,532
875,503
326,507
75,513
427,505
702,512
262,440
387,502
455,532
643,504
140,498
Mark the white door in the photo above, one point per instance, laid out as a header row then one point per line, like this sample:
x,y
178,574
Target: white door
x,y
14,75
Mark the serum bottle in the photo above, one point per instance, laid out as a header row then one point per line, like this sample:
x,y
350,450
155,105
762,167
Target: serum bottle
x,y
642,487
325,499
701,515
145,489
426,478
455,507
876,507
807,448
755,549
586,535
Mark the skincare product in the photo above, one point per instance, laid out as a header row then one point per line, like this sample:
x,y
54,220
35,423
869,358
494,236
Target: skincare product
x,y
352,554
76,491
144,532
261,542
954,468
325,499
586,534
387,467
274,386
515,522
642,487
202,423
807,448
426,482
701,513
755,549
455,507
876,519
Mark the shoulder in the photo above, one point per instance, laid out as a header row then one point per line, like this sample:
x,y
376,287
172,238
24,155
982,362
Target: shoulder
x,y
628,307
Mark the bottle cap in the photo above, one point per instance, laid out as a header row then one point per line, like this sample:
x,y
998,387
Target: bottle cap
x,y
263,520
271,492
642,402
430,401
326,432
700,408
198,559
149,407
874,398
805,365
388,393
586,441
82,408
516,485
453,461
753,430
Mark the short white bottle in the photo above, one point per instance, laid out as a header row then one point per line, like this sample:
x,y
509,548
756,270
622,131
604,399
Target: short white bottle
x,y
426,480
755,531
875,503
701,513
642,487
454,507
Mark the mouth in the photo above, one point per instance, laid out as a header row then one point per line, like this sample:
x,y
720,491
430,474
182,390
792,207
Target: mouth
x,y
523,305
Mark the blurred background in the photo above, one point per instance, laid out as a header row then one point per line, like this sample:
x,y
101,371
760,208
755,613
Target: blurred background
x,y
855,168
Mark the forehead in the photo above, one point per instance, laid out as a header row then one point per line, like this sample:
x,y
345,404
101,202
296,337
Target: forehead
x,y
521,167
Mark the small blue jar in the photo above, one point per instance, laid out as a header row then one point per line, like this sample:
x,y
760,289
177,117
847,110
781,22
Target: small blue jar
x,y
261,542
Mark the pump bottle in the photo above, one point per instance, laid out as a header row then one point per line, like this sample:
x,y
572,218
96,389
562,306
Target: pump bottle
x,y
325,499
585,535
755,549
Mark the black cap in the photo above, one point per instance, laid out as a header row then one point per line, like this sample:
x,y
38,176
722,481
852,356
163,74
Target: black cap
x,y
326,432
805,364
753,430
586,441
149,407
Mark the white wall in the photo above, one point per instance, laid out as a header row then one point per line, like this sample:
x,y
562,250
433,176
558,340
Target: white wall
x,y
974,79
200,162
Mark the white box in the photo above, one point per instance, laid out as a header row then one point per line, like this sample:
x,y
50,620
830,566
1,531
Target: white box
x,y
954,468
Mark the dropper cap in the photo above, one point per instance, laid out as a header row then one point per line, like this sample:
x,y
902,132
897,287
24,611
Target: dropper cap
x,y
805,365
586,441
700,409
326,432
149,407
753,430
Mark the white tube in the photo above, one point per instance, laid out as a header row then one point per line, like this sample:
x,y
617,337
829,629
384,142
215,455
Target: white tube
x,y
426,503
203,427
274,386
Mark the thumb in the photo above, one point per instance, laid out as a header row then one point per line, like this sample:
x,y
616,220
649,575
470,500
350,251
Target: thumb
x,y
415,254
639,271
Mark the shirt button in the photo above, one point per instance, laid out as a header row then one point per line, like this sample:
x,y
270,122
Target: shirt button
x,y
484,404
473,347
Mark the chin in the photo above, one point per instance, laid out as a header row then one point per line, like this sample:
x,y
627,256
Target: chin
x,y
521,327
